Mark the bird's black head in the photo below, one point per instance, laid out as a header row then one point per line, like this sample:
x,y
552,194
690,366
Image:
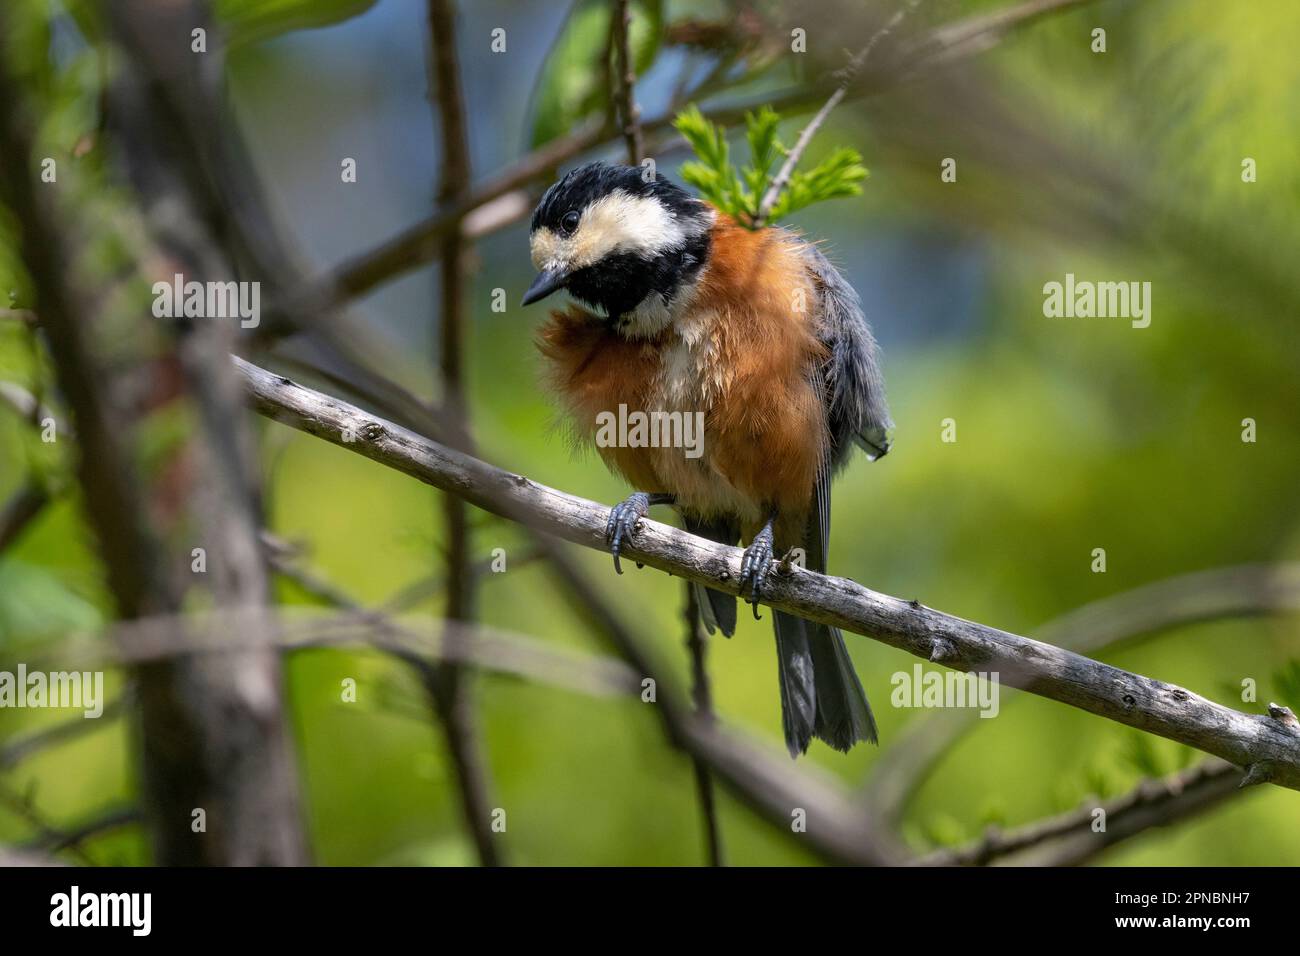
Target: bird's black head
x,y
619,242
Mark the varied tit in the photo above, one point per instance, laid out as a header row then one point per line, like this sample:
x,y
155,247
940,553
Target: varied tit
x,y
691,312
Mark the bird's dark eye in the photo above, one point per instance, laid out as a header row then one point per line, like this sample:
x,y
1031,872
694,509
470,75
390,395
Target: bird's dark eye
x,y
570,222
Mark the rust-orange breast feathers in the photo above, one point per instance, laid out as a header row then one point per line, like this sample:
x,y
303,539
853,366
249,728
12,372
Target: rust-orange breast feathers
x,y
744,352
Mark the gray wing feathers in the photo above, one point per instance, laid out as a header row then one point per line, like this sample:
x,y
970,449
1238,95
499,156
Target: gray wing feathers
x,y
821,695
855,389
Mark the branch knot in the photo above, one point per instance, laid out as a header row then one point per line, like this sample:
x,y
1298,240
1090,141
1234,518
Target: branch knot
x,y
1285,716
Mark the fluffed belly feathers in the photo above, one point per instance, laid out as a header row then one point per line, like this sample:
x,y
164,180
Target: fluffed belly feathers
x,y
740,356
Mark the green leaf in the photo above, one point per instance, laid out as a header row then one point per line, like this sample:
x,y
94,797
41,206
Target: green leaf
x,y
712,175
739,194
576,79
764,147
250,21
836,177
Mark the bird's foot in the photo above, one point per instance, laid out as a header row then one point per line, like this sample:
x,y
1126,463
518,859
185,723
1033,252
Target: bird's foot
x,y
625,516
755,565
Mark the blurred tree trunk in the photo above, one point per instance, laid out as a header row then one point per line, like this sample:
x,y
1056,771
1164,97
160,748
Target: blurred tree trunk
x,y
449,685
219,782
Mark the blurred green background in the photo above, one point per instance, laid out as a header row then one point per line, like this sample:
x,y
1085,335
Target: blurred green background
x,y
1072,434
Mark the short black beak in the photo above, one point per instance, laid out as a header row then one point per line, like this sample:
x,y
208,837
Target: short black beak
x,y
547,281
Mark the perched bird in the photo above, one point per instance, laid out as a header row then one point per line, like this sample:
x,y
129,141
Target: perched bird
x,y
685,310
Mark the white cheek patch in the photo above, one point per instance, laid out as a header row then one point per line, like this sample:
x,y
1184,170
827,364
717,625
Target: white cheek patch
x,y
547,249
623,223
617,223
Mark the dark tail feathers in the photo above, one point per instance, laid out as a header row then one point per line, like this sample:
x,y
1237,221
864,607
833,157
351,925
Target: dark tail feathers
x,y
821,695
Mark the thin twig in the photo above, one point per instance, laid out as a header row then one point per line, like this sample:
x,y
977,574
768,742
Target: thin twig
x,y
629,113
23,507
771,787
761,777
27,503
449,686
1268,745
1240,591
1069,839
978,33
27,405
23,806
847,76
153,639
420,243
97,825
702,697
20,748
435,584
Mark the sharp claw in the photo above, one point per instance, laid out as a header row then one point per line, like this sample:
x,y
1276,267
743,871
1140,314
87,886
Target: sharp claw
x,y
754,567
756,588
623,519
